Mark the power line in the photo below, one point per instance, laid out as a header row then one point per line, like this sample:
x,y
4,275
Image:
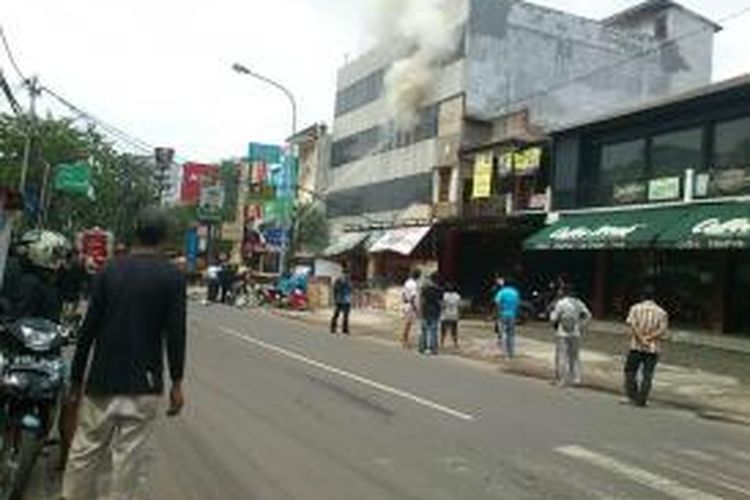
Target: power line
x,y
9,95
11,58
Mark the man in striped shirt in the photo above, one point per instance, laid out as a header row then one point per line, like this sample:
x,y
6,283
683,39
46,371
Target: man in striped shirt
x,y
648,327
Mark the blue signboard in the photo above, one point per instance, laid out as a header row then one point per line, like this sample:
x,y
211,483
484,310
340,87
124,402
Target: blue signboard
x,y
192,247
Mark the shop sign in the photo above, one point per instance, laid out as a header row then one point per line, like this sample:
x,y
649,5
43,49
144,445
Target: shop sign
x,y
625,194
527,161
664,189
729,182
606,232
483,175
715,228
211,206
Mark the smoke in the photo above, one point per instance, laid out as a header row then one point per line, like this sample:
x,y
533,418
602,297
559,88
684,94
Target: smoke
x,y
427,31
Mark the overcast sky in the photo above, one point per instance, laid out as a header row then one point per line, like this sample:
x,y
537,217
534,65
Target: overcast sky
x,y
160,69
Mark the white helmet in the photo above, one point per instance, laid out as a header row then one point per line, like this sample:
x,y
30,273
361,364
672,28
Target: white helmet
x,y
45,249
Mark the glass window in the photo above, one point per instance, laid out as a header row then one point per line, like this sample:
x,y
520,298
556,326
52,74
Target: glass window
x,y
622,162
732,144
675,152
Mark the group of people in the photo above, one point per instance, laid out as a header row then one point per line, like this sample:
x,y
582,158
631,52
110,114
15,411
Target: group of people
x,y
436,306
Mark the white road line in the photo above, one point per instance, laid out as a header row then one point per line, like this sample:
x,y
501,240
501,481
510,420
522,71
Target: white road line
x,y
706,475
351,376
656,482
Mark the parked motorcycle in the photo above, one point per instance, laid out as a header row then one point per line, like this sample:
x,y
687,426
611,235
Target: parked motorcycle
x,y
32,381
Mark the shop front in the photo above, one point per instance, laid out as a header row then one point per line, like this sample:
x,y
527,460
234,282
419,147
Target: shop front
x,y
696,256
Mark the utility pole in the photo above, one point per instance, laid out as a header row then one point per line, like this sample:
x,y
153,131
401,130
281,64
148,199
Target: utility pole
x,y
35,91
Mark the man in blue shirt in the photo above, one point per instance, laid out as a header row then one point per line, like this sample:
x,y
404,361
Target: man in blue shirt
x,y
508,302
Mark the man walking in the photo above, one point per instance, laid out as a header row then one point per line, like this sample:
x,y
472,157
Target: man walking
x,y
431,302
342,296
137,311
508,302
410,307
569,315
648,327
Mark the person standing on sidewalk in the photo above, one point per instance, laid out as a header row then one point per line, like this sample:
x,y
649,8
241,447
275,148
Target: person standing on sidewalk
x,y
342,296
570,316
410,305
450,316
508,302
136,313
648,324
431,304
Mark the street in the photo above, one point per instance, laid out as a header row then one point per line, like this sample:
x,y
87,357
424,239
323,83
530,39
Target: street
x,y
282,410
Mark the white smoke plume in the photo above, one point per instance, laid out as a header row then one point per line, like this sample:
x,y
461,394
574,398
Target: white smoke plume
x,y
428,29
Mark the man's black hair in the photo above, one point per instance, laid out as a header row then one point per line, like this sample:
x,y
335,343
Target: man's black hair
x,y
416,274
151,227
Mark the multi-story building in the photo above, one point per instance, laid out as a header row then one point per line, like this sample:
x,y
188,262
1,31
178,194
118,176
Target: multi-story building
x,y
656,196
536,67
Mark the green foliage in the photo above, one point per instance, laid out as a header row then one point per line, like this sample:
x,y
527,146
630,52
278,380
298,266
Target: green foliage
x,y
123,184
312,229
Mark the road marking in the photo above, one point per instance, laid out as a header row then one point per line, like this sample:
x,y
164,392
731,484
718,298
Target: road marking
x,y
351,376
706,475
656,482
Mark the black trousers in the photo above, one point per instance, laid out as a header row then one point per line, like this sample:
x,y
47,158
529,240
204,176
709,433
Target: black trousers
x,y
344,309
645,362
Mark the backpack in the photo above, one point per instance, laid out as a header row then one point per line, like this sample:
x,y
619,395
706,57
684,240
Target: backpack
x,y
570,318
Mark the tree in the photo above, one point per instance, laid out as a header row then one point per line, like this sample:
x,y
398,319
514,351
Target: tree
x,y
312,229
122,184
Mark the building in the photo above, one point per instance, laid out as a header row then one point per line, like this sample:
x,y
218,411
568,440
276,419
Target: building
x,y
516,70
658,195
313,148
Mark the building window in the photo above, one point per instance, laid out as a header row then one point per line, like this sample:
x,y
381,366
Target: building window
x,y
444,184
360,93
661,28
622,174
732,144
384,138
675,152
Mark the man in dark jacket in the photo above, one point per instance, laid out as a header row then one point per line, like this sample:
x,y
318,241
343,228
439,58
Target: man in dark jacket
x,y
342,296
137,310
431,300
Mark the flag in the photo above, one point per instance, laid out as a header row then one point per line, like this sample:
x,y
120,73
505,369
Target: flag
x,y
194,177
74,178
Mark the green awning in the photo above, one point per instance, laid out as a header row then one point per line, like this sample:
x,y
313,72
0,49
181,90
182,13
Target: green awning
x,y
718,226
606,230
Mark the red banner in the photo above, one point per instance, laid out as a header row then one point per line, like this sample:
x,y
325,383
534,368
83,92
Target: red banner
x,y
194,177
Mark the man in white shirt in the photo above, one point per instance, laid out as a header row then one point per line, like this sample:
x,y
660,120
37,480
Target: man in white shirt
x,y
450,315
570,315
410,305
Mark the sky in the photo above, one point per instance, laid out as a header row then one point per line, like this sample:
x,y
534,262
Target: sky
x,y
161,69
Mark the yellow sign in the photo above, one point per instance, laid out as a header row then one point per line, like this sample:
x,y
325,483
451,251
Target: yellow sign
x,y
483,175
527,160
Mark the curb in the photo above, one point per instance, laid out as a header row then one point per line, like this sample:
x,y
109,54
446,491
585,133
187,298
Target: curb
x,y
524,368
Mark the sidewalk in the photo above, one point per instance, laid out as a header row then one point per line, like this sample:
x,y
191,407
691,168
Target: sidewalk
x,y
721,393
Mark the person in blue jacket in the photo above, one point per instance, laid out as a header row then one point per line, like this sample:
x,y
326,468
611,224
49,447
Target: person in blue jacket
x,y
508,302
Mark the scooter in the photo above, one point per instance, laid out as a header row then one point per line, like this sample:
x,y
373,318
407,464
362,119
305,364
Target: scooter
x,y
32,383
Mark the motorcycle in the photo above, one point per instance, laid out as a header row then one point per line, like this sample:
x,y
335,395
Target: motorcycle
x,y
32,382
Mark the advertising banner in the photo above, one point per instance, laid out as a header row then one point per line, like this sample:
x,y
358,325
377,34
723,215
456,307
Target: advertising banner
x,y
483,175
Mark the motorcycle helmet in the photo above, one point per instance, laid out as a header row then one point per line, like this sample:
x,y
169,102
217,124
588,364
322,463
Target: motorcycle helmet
x,y
45,249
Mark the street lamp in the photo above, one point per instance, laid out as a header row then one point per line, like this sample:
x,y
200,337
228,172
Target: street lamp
x,y
239,68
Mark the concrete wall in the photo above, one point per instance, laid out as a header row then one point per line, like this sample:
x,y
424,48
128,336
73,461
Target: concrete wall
x,y
565,68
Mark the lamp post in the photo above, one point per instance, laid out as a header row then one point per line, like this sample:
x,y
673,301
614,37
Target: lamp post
x,y
239,68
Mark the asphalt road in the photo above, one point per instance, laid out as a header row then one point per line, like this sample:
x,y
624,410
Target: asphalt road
x,y
281,410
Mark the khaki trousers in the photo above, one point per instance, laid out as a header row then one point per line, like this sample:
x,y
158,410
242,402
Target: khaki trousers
x,y
112,432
